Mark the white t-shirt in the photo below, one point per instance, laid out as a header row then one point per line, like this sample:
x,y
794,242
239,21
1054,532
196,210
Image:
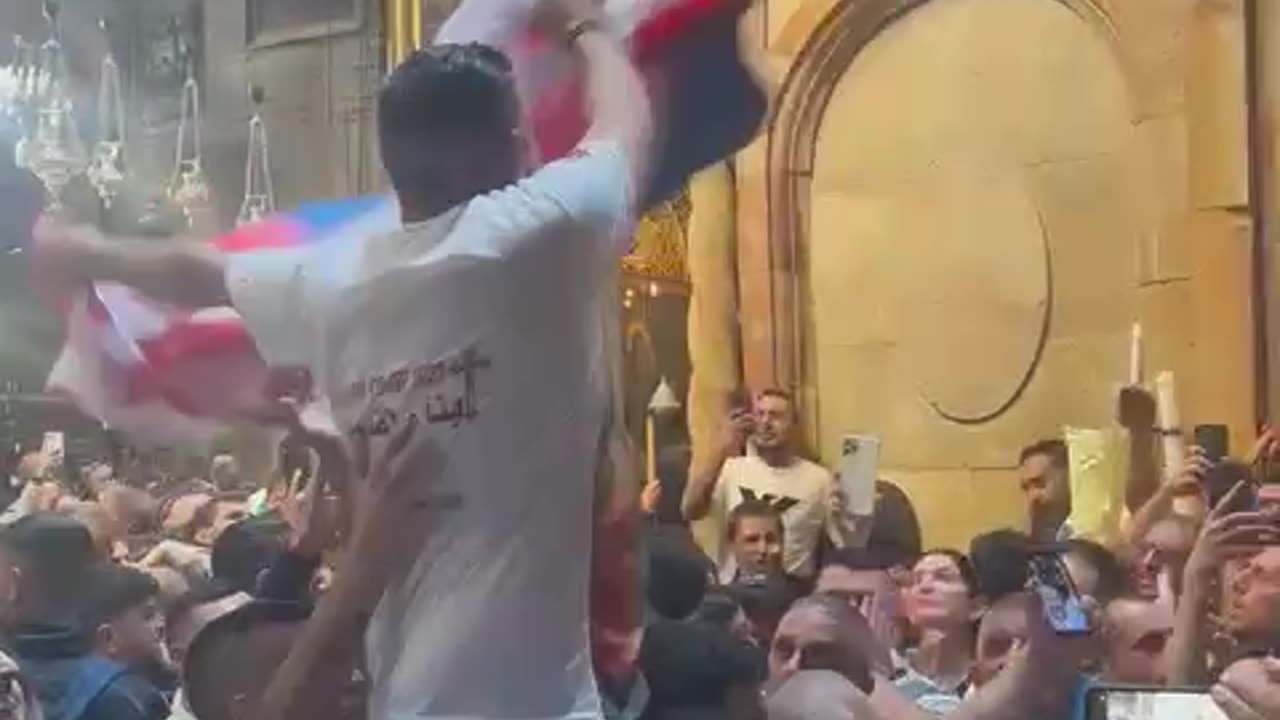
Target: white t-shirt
x,y
492,324
800,492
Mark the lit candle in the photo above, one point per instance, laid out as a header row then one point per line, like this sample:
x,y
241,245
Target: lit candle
x,y
1135,355
650,450
1170,425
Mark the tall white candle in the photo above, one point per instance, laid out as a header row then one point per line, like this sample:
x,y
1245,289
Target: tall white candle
x,y
1135,355
650,450
1170,425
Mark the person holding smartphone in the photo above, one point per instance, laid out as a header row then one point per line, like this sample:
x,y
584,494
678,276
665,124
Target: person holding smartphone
x,y
1253,592
757,460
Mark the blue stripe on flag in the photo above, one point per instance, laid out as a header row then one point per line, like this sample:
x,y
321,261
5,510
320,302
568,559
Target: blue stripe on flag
x,y
319,218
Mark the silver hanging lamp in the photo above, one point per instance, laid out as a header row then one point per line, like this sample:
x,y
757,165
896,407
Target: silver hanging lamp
x,y
106,171
56,152
259,192
188,186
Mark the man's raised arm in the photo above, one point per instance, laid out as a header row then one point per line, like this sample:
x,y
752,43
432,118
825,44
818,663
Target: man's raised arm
x,y
617,99
191,275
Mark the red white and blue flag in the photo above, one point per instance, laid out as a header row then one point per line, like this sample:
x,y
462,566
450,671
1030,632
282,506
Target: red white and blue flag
x,y
165,374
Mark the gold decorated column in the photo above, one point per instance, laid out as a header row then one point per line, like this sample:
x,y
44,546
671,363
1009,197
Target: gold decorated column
x,y
402,29
713,334
1267,76
1220,230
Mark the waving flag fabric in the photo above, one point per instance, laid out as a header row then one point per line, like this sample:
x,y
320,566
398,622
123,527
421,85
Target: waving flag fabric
x,y
166,374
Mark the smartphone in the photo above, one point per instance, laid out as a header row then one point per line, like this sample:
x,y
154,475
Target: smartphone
x,y
1268,496
1213,440
859,461
1151,703
1222,479
1048,578
740,399
53,447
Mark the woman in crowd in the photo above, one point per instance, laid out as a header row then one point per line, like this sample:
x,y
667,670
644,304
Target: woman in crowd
x,y
943,606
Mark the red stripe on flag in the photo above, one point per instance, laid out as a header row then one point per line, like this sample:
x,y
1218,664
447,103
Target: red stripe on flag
x,y
258,236
672,21
185,339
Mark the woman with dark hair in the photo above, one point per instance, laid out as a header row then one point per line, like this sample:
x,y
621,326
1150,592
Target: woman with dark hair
x,y
944,604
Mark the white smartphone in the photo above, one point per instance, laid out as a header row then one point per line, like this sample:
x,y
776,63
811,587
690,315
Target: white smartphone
x,y
53,448
859,463
1151,703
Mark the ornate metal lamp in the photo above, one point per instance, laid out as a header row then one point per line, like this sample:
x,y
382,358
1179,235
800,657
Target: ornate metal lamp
x,y
19,98
56,154
188,186
107,163
259,193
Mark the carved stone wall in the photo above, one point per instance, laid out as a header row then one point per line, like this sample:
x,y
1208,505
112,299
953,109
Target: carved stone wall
x,y
318,87
965,203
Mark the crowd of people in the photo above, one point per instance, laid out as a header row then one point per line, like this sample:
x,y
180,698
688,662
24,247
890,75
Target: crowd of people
x,y
424,548
205,598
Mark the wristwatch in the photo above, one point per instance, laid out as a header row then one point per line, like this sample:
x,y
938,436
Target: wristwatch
x,y
578,28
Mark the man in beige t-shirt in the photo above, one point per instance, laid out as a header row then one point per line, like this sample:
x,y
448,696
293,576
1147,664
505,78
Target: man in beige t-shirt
x,y
767,469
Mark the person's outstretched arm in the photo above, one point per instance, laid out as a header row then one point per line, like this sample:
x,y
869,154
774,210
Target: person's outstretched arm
x,y
617,100
1225,536
191,275
599,183
700,491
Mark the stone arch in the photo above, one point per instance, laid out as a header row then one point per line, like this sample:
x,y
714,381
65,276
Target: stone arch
x,y
822,38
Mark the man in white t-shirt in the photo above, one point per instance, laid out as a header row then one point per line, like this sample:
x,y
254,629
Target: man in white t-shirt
x,y
485,320
803,492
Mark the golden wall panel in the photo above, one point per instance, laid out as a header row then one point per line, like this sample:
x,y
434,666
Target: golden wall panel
x,y
984,495
974,177
1151,38
1216,110
1221,320
1165,311
714,344
1163,198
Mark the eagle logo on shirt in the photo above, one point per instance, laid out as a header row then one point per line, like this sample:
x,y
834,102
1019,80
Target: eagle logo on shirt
x,y
781,503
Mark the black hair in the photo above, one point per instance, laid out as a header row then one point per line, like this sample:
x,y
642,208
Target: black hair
x,y
113,590
895,527
764,598
751,508
245,549
1053,448
1000,560
718,609
1113,578
677,573
439,109
693,666
55,553
967,572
